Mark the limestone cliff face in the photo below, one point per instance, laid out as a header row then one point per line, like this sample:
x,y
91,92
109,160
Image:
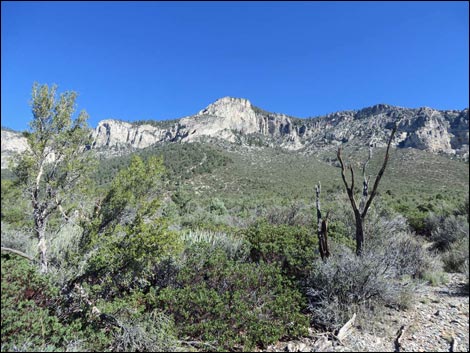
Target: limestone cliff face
x,y
236,119
12,144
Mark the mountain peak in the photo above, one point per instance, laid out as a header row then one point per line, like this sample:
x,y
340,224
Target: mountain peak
x,y
228,106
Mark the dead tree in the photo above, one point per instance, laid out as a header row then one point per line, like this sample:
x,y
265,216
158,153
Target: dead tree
x,y
322,227
360,211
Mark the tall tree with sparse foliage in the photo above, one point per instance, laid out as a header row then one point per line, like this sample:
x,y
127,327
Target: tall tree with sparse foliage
x,y
56,161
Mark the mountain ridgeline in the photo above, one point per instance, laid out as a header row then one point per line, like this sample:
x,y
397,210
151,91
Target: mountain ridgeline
x,y
237,120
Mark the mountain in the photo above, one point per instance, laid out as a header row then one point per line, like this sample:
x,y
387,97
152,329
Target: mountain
x,y
237,120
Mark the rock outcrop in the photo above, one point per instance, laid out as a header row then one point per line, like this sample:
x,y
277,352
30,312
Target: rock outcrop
x,y
237,120
12,144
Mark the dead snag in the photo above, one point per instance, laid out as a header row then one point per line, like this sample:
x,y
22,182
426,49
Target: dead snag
x,y
360,211
322,227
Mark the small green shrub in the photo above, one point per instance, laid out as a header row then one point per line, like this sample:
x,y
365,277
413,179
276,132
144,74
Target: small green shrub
x,y
217,207
230,304
293,249
30,315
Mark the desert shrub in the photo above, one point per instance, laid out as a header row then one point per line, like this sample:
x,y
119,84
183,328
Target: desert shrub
x,y
383,275
217,207
463,209
446,230
26,298
292,249
230,304
347,283
296,214
457,256
149,332
128,259
138,327
64,264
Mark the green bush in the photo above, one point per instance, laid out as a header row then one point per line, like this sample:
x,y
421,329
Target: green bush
x,y
293,249
229,304
30,315
26,299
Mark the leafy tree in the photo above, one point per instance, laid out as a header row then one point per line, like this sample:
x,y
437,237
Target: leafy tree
x,y
56,161
127,237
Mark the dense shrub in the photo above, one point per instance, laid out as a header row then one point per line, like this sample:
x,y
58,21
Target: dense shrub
x,y
456,258
30,315
139,328
447,230
293,249
26,299
230,304
217,207
347,283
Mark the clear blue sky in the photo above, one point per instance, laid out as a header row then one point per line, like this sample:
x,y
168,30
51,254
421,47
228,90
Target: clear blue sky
x,y
162,60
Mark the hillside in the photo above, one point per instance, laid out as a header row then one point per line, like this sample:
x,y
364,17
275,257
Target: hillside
x,y
201,234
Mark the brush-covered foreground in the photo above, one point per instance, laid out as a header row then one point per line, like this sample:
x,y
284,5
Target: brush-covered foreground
x,y
214,248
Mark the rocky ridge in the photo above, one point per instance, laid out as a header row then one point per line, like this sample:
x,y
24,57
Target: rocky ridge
x,y
237,120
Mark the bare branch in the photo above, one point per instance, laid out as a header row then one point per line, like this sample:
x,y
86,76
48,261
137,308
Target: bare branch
x,y
17,252
346,329
349,190
379,176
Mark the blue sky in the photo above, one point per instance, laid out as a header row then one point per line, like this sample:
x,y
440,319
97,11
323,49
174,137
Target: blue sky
x,y
163,60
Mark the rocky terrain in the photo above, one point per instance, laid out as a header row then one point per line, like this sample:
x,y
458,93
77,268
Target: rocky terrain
x,y
237,120
437,322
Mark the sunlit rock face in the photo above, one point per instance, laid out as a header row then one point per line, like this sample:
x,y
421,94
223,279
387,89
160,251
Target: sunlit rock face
x,y
13,143
236,119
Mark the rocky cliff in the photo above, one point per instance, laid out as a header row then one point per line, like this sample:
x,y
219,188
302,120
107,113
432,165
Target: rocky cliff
x,y
233,119
237,120
12,144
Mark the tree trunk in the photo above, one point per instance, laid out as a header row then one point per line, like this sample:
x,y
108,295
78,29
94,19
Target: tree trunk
x,y
42,246
359,234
